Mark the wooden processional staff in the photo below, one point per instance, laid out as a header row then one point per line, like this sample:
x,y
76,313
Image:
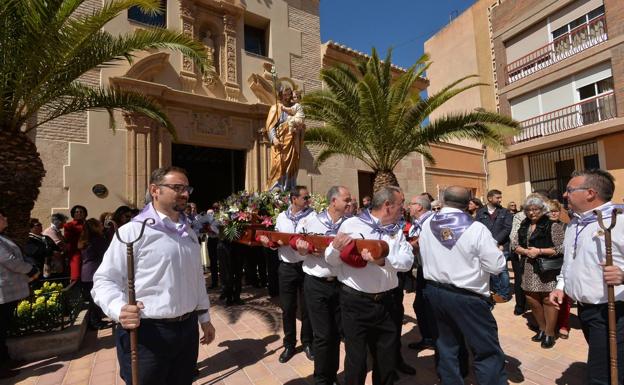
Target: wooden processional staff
x,y
134,337
611,295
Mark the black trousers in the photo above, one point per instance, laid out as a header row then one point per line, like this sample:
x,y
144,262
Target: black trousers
x,y
323,301
231,269
214,261
272,264
167,352
517,264
399,312
466,317
422,309
595,325
6,316
95,312
369,325
291,277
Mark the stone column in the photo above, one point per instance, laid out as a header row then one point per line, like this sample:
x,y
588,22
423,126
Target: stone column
x,y
143,148
230,69
188,75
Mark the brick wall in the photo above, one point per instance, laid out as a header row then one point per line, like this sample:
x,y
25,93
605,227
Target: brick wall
x,y
307,66
70,128
614,12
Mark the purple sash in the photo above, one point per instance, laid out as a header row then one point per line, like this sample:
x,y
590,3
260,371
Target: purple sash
x,y
170,228
325,219
449,227
418,222
298,216
389,229
607,211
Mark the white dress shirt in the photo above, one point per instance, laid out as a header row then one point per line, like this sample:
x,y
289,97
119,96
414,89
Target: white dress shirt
x,y
169,277
314,264
372,278
584,250
285,225
468,264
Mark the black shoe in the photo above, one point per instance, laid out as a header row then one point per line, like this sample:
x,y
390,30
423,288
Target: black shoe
x,y
518,311
307,349
422,345
406,369
539,336
548,342
287,354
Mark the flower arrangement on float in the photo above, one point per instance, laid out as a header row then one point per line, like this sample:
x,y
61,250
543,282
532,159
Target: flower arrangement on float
x,y
243,212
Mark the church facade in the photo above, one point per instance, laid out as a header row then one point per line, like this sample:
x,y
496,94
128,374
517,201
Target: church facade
x,y
218,118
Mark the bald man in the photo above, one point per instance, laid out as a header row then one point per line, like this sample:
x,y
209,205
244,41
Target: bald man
x,y
458,256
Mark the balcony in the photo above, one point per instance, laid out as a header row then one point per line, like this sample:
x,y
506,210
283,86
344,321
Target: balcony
x,y
576,40
581,114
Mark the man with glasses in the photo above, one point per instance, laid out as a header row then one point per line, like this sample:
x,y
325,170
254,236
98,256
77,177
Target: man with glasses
x,y
322,289
169,284
291,276
584,276
366,299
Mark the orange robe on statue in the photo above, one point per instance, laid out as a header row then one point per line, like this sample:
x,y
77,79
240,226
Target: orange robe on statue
x,y
285,156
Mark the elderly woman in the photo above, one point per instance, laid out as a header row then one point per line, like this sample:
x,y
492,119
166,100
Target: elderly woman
x,y
563,322
15,273
539,237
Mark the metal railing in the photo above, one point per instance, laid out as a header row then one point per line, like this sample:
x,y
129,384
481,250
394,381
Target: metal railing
x,y
576,40
48,315
580,114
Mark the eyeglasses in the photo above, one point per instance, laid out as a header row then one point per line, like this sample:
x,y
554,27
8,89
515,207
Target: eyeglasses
x,y
436,209
307,198
179,188
570,190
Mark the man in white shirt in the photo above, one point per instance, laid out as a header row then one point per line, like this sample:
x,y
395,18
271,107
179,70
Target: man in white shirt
x,y
291,276
322,289
584,276
420,210
458,256
169,285
366,301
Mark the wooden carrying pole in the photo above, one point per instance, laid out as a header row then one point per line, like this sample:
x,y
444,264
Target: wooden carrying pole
x,y
134,336
611,296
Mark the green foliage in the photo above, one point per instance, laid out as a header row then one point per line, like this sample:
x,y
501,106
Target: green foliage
x,y
45,47
380,119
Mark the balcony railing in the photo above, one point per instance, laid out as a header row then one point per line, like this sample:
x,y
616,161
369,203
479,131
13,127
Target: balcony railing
x,y
579,39
586,112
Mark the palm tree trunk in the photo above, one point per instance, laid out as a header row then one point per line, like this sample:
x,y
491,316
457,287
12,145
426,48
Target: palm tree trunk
x,y
384,178
21,173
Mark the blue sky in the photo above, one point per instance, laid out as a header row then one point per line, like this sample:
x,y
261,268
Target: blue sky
x,y
402,24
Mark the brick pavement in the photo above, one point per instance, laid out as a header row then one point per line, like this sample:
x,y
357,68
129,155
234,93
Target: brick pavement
x,y
249,342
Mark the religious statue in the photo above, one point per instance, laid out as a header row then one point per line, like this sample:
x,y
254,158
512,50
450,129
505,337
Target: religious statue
x,y
210,52
285,129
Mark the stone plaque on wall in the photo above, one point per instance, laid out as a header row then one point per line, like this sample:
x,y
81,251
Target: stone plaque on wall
x,y
212,124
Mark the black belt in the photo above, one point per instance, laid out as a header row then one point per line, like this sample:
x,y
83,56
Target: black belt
x,y
458,290
374,296
181,318
322,279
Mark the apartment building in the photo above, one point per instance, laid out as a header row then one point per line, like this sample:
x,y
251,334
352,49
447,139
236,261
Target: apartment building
x,y
559,70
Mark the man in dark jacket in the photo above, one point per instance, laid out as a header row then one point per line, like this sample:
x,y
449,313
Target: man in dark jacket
x,y
498,220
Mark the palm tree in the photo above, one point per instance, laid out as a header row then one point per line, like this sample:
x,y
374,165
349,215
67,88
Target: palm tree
x,y
371,116
45,47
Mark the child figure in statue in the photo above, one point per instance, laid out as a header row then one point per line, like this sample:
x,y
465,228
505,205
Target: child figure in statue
x,y
297,116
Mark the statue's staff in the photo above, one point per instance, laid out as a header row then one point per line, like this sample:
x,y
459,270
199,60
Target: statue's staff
x,y
610,294
276,96
134,337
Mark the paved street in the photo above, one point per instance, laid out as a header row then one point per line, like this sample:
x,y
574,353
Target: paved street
x,y
249,342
